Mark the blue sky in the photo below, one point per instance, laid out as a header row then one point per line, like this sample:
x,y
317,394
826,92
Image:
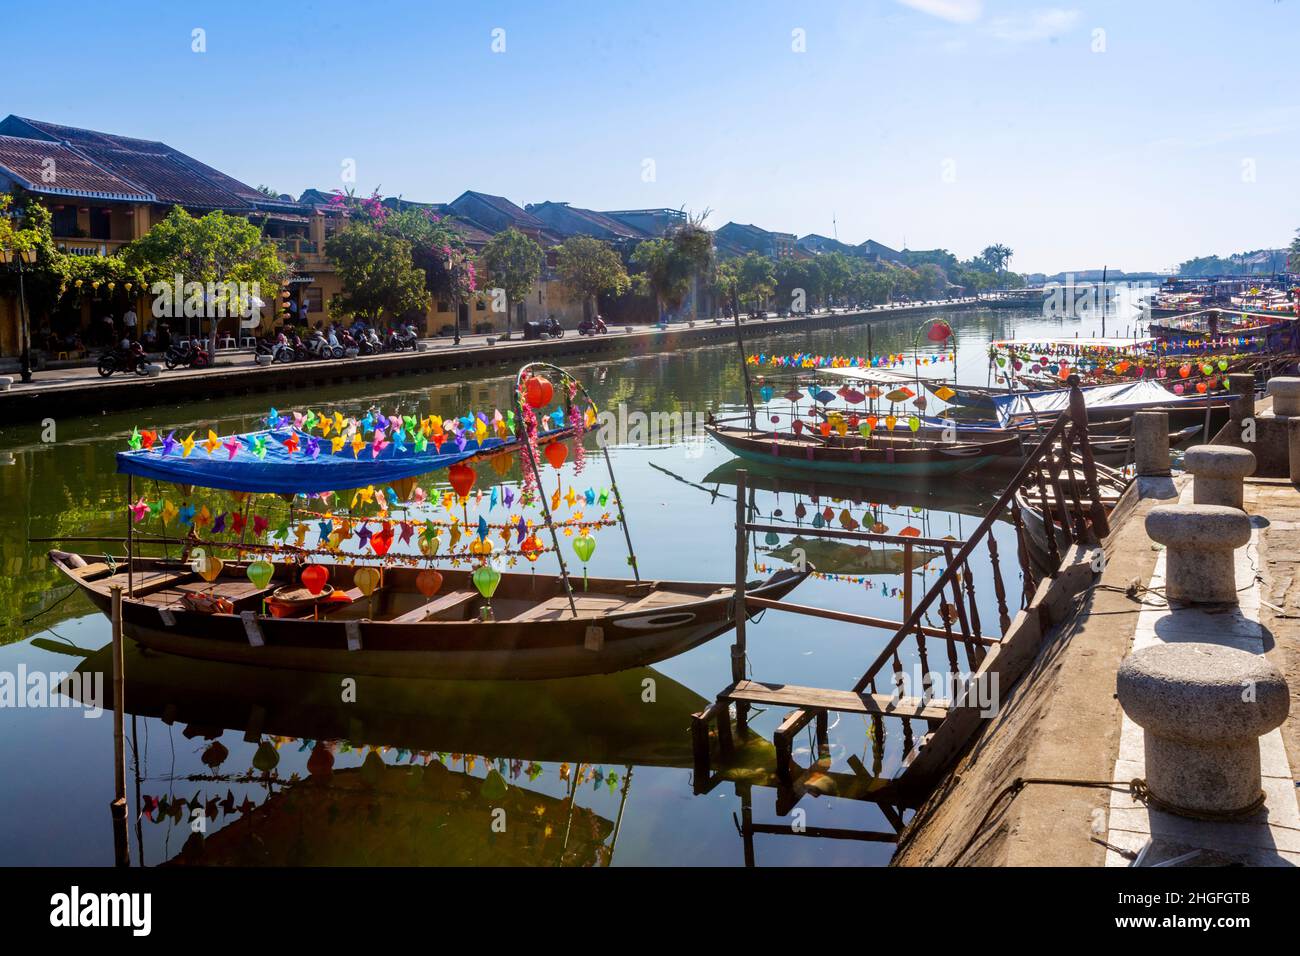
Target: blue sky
x,y
955,123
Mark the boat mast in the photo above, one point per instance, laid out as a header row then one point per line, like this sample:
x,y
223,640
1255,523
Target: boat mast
x,y
744,367
522,435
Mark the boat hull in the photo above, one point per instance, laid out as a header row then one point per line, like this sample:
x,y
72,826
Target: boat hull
x,y
935,459
560,646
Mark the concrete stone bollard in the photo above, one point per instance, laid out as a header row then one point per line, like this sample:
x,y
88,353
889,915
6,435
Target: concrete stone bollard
x,y
1201,540
1151,444
1293,449
1218,474
1286,396
1241,385
5,383
1202,708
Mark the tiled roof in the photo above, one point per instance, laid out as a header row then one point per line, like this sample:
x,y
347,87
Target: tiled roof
x,y
504,207
167,174
26,161
171,180
567,220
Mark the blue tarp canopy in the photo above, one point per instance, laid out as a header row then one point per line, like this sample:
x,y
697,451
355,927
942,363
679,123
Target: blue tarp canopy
x,y
283,471
1018,406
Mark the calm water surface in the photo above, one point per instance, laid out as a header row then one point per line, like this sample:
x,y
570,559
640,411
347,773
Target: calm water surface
x,y
588,771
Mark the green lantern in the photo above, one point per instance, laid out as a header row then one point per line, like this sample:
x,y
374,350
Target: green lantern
x,y
914,423
259,572
584,546
494,785
486,578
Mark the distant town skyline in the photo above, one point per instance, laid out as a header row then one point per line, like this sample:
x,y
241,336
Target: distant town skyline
x,y
1084,135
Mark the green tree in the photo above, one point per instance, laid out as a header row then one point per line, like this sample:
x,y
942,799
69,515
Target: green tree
x,y
227,251
668,267
797,283
726,284
757,277
511,262
836,274
589,267
438,250
378,272
997,256
1293,254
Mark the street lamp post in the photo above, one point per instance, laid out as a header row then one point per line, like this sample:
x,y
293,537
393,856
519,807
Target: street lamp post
x,y
22,257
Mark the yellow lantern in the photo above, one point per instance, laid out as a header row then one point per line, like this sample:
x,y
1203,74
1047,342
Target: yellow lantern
x,y
366,579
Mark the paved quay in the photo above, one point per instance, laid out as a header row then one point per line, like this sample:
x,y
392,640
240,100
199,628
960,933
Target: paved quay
x,y
235,372
1061,727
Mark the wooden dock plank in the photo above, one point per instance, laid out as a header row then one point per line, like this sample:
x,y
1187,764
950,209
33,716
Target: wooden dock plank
x,y
842,701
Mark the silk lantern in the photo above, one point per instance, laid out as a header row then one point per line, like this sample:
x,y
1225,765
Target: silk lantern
x,y
314,577
260,572
429,582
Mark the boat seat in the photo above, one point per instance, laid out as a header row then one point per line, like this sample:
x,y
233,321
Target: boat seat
x,y
147,583
659,599
589,605
88,571
452,600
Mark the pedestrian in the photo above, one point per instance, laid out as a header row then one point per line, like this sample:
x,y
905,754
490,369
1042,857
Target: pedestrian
x,y
129,320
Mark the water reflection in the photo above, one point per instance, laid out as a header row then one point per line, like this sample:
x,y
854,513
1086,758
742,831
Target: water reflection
x,y
629,760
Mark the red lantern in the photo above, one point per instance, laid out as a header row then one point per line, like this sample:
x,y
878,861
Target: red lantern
x,y
939,332
314,577
462,478
429,582
539,392
556,454
382,540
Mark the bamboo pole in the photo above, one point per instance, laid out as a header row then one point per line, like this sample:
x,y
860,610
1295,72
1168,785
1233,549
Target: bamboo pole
x,y
121,846
130,540
742,566
622,518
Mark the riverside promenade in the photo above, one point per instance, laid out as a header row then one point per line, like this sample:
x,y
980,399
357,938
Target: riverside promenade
x,y
81,390
1046,782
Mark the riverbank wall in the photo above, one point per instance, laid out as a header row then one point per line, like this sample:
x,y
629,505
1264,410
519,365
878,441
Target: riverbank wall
x,y
42,398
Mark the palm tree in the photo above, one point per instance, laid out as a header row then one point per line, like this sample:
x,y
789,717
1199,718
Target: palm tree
x,y
997,256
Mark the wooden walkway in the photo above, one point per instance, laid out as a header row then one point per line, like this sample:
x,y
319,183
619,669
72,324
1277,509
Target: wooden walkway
x,y
1077,517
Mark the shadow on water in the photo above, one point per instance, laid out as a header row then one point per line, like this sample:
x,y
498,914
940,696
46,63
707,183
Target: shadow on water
x,y
411,771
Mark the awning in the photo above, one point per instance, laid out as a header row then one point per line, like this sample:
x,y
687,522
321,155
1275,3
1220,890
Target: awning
x,y
1127,395
280,461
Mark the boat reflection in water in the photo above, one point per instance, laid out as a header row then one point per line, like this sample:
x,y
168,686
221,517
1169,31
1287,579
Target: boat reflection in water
x,y
426,800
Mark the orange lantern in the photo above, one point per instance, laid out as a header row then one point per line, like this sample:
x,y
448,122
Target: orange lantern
x,y
539,392
462,478
556,454
429,582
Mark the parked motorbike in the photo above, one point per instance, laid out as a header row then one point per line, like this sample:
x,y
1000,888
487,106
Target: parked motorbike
x,y
278,348
300,351
319,347
594,326
189,353
132,359
401,338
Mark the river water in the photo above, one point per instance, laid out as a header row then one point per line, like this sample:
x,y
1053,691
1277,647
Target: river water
x,y
579,772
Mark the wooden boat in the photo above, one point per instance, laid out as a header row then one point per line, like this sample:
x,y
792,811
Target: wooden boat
x,y
1038,513
398,632
883,454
